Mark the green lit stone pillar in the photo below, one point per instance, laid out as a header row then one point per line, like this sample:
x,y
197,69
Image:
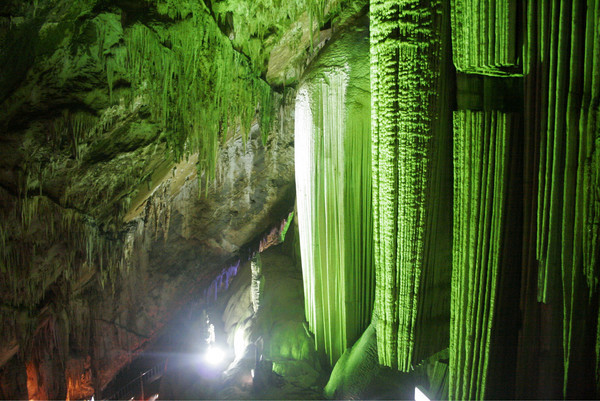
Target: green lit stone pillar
x,y
484,36
405,46
562,66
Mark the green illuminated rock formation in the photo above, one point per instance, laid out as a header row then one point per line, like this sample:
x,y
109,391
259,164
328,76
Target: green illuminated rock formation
x,y
333,181
405,51
480,176
561,55
446,177
95,210
484,36
222,92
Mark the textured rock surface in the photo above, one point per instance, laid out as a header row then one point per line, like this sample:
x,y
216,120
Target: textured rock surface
x,y
333,183
358,374
103,233
104,236
277,330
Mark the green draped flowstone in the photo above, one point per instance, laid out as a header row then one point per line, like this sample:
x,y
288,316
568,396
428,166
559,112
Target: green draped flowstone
x,y
480,172
333,182
484,36
405,44
562,54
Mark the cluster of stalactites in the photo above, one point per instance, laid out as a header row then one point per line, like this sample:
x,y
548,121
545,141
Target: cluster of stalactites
x,y
334,218
47,228
480,171
405,44
562,60
222,92
568,127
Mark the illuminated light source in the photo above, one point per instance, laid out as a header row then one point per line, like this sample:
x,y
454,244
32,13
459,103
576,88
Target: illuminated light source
x,y
211,334
214,355
420,395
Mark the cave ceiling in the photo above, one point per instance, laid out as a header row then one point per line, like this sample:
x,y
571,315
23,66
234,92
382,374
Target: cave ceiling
x,y
144,145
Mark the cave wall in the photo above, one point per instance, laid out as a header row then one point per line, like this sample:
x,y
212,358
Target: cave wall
x,y
106,230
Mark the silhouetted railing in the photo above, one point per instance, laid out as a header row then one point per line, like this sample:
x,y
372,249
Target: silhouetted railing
x,y
136,386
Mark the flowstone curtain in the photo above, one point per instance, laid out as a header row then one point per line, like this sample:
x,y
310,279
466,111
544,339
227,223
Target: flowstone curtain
x,y
480,176
484,39
405,44
562,67
332,150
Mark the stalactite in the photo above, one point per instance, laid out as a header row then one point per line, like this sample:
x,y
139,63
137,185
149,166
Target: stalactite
x,y
405,46
529,364
258,282
277,234
589,128
433,316
334,214
24,277
222,92
285,226
71,129
484,36
222,280
480,170
568,191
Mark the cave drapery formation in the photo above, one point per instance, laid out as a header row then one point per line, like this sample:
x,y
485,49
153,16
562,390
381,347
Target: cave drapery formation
x,y
550,48
480,180
457,206
404,51
561,80
410,113
484,42
333,182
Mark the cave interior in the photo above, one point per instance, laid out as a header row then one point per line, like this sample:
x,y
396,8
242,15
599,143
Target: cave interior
x,y
299,199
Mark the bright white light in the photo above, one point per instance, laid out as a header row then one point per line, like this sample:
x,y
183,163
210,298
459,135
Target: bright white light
x,y
420,396
214,355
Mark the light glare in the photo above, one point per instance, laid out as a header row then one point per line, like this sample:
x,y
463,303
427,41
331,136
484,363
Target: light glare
x,y
214,355
420,396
